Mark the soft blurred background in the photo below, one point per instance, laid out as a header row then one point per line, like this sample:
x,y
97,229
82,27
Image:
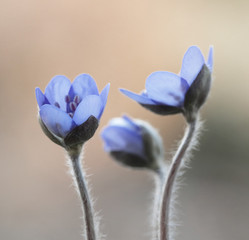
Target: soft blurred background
x,y
122,42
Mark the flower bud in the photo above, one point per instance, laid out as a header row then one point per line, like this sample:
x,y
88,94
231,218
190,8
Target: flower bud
x,y
134,143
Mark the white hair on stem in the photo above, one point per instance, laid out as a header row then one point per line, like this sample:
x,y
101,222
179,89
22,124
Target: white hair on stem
x,y
157,154
91,219
172,183
158,182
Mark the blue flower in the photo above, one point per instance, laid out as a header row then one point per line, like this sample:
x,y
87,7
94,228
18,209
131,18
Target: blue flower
x,y
167,93
67,108
133,143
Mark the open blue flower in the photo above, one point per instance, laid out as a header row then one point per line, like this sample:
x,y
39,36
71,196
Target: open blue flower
x,y
133,143
65,106
166,92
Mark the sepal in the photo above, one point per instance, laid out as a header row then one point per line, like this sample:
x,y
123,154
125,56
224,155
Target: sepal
x,y
80,134
197,94
77,137
162,109
129,159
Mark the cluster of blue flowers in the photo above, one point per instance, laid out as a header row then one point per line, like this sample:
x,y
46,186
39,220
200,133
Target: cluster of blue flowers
x,y
69,113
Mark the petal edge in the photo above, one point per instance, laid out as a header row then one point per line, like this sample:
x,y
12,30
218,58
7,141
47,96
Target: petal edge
x,y
142,99
90,105
192,63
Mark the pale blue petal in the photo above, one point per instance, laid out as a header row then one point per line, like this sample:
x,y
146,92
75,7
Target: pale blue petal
x,y
57,121
210,59
166,88
143,99
124,122
132,125
90,105
40,97
103,95
121,139
192,63
82,86
57,90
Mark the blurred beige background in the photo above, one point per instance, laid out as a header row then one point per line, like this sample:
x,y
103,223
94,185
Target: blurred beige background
x,y
122,42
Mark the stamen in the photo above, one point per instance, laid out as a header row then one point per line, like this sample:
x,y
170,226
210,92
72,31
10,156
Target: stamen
x,y
67,99
70,114
72,106
76,99
57,104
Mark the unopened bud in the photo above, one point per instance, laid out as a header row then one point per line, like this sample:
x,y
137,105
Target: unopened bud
x,y
134,143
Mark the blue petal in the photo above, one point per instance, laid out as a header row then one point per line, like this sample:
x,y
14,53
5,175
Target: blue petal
x,y
166,88
125,122
103,95
40,97
82,86
57,121
90,105
131,123
57,90
143,99
121,139
192,63
210,59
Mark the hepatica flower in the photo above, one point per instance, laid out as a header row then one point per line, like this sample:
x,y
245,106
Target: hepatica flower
x,y
133,143
69,113
169,93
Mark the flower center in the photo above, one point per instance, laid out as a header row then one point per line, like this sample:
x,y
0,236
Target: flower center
x,y
72,105
57,104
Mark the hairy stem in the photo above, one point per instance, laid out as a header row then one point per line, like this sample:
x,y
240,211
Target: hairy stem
x,y
170,180
83,192
159,179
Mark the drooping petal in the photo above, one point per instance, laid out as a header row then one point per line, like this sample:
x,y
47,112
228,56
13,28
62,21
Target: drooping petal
x,y
166,88
40,97
103,95
57,90
210,59
143,99
192,63
121,139
56,120
90,105
82,86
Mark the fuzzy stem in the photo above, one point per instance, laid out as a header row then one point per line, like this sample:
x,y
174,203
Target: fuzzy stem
x,y
159,183
170,180
83,192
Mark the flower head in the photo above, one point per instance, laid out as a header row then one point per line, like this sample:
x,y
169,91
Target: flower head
x,y
134,143
168,93
69,113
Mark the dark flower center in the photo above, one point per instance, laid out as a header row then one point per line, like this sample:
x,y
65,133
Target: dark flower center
x,y
71,105
57,104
